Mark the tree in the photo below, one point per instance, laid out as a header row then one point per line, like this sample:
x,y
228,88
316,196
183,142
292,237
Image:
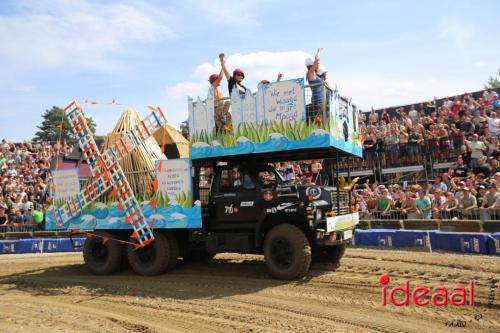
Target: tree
x,y
493,81
51,129
185,129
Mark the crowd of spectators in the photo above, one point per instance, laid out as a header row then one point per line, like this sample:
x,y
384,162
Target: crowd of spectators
x,y
24,175
463,128
463,124
466,126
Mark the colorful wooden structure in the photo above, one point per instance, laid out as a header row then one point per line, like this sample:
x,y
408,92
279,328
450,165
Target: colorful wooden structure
x,y
107,173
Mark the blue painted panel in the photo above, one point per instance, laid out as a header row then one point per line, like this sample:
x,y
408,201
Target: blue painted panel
x,y
412,238
494,243
380,237
460,242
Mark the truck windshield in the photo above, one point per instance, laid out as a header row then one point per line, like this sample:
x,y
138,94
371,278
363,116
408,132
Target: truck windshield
x,y
268,177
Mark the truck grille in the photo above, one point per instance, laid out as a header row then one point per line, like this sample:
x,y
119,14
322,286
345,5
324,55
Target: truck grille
x,y
344,202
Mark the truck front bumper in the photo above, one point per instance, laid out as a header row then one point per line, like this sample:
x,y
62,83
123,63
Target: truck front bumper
x,y
338,229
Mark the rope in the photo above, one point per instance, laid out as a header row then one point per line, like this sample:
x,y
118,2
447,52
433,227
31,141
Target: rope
x,y
105,239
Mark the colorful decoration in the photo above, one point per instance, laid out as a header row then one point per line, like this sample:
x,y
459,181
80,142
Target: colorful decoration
x,y
107,173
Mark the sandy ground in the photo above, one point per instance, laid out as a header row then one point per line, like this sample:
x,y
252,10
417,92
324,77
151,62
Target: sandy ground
x,y
234,293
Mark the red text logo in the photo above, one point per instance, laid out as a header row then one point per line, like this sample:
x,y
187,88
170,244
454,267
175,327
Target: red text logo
x,y
422,296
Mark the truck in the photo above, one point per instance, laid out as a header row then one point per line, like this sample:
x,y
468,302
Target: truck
x,y
233,198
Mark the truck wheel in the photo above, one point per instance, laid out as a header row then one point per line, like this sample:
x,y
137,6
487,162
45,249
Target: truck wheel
x,y
287,252
174,249
100,256
331,254
152,259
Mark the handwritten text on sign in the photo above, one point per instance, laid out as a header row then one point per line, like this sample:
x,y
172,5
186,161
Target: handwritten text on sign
x,y
284,101
174,177
67,183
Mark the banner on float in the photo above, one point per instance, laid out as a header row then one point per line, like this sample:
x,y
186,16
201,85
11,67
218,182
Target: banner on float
x,y
67,183
174,179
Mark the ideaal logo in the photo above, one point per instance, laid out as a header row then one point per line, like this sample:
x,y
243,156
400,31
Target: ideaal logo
x,y
439,295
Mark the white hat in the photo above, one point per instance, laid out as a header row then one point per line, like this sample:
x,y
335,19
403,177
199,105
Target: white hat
x,y
321,69
309,61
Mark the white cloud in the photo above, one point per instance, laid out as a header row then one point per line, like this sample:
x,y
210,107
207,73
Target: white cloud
x,y
257,66
457,31
78,33
186,88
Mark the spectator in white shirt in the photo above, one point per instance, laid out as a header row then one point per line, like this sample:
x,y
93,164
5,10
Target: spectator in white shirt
x,y
477,150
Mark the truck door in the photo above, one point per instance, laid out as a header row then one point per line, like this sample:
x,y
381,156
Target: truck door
x,y
236,199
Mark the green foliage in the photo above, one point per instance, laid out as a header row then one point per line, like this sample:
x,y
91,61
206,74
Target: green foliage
x,y
49,130
184,200
297,130
493,81
185,129
162,200
90,207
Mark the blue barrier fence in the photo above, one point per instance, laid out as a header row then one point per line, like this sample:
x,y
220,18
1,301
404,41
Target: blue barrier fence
x,y
42,245
464,242
471,242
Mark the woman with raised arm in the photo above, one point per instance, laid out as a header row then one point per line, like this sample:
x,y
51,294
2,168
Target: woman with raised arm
x,y
222,117
235,80
317,86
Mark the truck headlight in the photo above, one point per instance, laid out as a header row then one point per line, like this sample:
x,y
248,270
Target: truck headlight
x,y
318,214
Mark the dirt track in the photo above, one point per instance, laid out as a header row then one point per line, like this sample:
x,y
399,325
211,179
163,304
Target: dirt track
x,y
233,293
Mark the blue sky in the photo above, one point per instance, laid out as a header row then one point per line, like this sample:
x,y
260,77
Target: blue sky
x,y
380,53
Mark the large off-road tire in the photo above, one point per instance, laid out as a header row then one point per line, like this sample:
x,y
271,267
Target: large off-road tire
x,y
174,249
102,256
287,252
153,259
330,254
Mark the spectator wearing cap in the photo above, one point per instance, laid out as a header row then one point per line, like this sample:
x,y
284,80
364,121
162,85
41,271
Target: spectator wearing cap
x,y
467,203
